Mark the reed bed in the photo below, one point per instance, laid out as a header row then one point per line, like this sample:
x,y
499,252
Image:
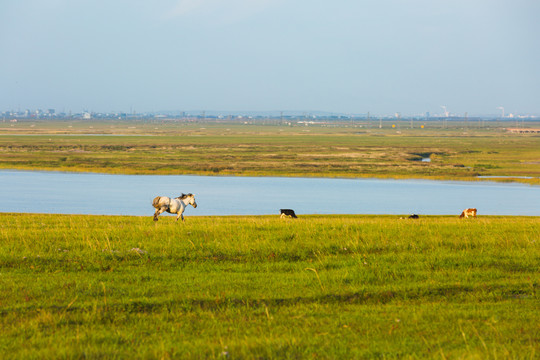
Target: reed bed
x,y
344,150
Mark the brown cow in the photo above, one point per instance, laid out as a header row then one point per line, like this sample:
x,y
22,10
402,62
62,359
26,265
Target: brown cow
x,y
468,212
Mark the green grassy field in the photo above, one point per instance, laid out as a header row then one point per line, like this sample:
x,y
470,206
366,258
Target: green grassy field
x,y
263,287
457,152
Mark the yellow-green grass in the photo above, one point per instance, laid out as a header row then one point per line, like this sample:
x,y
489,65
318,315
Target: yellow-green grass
x,y
262,287
238,149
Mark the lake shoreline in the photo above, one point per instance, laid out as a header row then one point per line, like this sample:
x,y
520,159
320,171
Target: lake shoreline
x,y
170,218
529,180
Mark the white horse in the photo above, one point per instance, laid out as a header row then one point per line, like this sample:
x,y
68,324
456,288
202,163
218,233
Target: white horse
x,y
173,206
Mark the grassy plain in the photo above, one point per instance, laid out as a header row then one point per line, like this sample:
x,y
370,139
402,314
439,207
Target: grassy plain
x,y
262,287
459,151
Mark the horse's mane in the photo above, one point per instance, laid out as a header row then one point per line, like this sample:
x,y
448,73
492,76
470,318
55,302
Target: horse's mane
x,y
183,196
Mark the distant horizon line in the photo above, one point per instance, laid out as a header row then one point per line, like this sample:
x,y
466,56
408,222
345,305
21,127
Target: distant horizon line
x,y
274,113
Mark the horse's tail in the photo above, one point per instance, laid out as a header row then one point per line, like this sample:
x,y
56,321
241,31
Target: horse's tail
x,y
155,203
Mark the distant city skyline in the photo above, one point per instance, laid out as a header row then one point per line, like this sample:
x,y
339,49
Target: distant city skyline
x,y
247,56
52,113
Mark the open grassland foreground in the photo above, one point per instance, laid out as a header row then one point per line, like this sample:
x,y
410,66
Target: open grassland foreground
x,y
264,287
237,149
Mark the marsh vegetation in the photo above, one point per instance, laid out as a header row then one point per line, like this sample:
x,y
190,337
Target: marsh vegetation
x,y
271,150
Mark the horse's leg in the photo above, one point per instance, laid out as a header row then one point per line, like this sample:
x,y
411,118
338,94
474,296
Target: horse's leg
x,y
180,215
158,212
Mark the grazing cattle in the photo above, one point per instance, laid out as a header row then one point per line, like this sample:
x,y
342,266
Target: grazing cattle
x,y
468,212
414,216
287,212
173,206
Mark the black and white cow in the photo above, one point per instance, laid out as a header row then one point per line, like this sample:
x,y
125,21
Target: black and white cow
x,y
287,212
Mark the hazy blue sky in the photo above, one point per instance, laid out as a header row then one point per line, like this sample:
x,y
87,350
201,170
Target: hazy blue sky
x,y
352,56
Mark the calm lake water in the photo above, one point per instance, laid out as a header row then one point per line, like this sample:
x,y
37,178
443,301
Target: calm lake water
x,y
81,193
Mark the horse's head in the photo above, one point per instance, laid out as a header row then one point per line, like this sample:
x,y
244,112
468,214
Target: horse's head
x,y
188,199
192,201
